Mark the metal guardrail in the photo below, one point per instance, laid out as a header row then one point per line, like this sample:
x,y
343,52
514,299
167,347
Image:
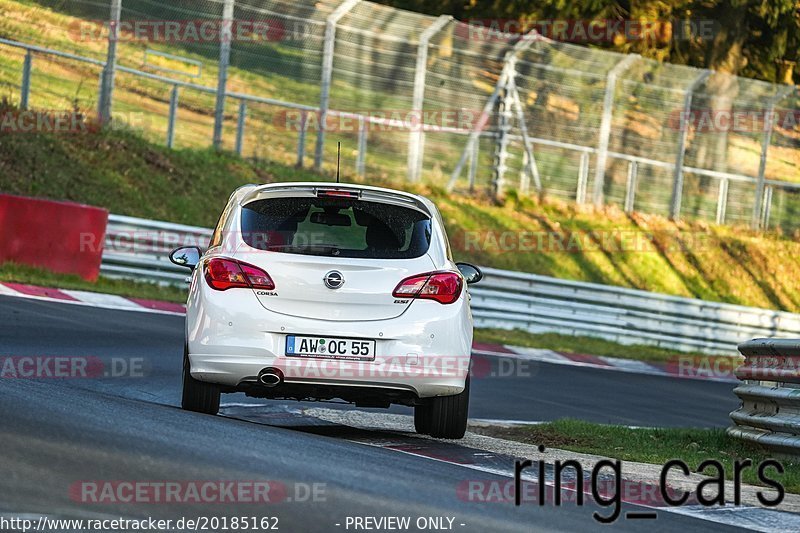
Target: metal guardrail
x,y
137,248
770,394
541,304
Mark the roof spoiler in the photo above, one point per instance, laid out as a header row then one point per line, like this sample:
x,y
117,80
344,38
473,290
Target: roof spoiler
x,y
337,191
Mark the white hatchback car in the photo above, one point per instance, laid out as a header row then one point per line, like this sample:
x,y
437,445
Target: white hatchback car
x,y
317,291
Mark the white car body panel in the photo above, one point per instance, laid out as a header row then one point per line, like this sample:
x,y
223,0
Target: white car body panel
x,y
422,346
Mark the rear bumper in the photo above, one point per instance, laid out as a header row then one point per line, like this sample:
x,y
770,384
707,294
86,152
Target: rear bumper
x,y
232,338
423,379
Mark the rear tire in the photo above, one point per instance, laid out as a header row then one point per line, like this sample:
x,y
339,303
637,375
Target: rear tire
x,y
198,396
448,418
423,418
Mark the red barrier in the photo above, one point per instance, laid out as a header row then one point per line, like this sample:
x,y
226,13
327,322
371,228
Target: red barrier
x,y
58,236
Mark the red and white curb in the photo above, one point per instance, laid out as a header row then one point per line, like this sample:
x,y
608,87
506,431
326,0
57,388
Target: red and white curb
x,y
90,299
679,368
720,370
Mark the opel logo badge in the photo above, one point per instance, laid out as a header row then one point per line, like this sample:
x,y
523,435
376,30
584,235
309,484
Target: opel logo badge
x,y
333,279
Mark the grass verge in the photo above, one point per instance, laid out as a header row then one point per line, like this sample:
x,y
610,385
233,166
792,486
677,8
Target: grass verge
x,y
645,445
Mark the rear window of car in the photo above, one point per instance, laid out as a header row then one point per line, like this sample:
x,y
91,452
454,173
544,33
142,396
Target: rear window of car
x,y
338,227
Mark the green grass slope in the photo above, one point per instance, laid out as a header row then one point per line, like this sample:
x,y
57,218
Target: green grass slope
x,y
130,175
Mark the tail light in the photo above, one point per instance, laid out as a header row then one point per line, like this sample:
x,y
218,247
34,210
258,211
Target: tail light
x,y
334,193
444,287
223,274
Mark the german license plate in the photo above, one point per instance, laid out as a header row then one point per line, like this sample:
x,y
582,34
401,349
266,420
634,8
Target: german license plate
x,y
330,348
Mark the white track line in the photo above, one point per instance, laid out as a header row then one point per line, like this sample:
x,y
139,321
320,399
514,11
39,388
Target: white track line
x,y
102,300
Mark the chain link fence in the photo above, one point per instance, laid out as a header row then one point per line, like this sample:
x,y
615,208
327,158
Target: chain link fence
x,y
416,97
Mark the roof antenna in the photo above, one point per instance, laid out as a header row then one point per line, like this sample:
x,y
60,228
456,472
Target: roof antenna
x,y
338,153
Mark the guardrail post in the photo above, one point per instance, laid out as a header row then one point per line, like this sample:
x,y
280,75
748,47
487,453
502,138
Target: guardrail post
x,y
327,72
106,97
226,35
630,187
240,122
766,415
769,123
173,116
26,81
361,158
416,138
722,200
605,125
583,178
677,182
301,139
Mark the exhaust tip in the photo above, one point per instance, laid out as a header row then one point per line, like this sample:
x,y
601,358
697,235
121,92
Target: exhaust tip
x,y
270,377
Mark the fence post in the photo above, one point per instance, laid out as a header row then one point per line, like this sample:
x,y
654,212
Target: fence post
x,y
361,158
605,125
767,207
583,178
26,80
222,75
630,186
327,72
722,201
240,127
106,97
769,120
416,138
677,182
301,139
173,116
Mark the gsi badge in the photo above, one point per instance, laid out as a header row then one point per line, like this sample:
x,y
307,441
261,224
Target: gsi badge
x,y
333,279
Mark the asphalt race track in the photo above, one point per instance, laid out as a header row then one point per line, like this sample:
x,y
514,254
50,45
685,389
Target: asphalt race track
x,y
511,390
59,432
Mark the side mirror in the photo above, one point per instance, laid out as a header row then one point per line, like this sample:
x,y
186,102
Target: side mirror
x,y
186,256
471,273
